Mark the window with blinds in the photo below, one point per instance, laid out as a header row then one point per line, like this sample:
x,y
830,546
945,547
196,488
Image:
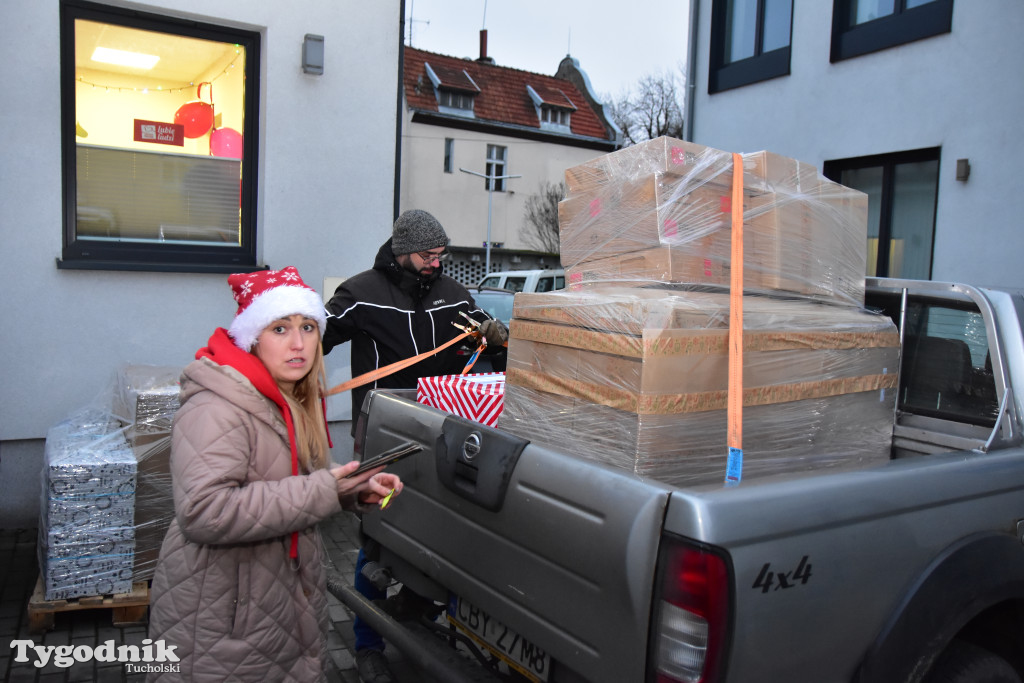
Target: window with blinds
x,y
159,168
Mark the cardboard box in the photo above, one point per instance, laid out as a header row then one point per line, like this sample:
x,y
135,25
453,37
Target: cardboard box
x,y
763,171
641,377
634,215
663,213
664,154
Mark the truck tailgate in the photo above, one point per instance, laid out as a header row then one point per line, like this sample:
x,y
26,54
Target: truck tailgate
x,y
556,551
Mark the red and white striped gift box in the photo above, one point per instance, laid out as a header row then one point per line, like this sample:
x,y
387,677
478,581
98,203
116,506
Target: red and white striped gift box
x,y
475,397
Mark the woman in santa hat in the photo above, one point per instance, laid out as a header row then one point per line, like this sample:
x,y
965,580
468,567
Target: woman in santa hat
x,y
240,586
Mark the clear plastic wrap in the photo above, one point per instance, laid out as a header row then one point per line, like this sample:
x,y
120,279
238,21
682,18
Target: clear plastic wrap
x,y
146,396
106,487
661,211
630,365
637,377
86,538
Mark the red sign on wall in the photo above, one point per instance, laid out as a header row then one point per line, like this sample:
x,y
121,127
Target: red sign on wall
x,y
160,133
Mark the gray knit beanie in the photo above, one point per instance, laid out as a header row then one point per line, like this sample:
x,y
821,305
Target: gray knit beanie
x,y
417,230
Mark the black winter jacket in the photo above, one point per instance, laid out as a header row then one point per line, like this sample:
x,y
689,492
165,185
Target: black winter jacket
x,y
390,314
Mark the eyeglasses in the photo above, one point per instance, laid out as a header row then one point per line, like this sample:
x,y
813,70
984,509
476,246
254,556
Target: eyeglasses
x,y
429,257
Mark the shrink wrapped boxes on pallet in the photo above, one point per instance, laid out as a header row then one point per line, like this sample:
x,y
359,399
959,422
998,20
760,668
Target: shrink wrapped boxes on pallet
x,y
637,377
87,542
662,210
146,397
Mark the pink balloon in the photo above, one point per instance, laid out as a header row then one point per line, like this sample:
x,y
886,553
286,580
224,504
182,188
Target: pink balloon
x,y
226,142
196,117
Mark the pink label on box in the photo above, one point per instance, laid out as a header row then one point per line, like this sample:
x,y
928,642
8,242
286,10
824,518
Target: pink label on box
x,y
678,156
707,267
671,228
595,207
725,204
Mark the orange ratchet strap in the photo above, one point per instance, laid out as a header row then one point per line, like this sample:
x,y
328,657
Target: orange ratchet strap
x,y
734,463
374,375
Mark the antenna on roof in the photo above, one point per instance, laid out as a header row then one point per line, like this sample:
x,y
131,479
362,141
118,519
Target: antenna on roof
x,y
485,15
412,20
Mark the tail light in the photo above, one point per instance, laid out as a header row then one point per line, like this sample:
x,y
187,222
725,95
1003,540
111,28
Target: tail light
x,y
691,615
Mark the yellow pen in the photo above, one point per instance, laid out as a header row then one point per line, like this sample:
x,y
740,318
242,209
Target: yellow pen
x,y
386,500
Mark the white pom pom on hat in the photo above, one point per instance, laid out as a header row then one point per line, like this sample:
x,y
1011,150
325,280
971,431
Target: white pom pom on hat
x,y
269,295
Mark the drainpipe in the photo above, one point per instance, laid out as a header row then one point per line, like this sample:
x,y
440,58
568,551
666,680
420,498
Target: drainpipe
x,y
399,115
691,69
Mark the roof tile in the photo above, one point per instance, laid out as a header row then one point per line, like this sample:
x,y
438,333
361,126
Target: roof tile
x,y
503,97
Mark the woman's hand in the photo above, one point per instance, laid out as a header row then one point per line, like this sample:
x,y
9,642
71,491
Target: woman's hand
x,y
367,488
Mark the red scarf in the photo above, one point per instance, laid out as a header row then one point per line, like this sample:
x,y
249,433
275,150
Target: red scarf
x,y
222,351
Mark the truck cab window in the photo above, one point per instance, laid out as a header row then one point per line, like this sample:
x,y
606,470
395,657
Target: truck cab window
x,y
946,366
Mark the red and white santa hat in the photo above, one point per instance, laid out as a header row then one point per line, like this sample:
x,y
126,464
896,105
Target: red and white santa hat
x,y
270,295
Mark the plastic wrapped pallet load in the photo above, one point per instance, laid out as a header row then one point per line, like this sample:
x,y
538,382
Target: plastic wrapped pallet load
x,y
637,377
87,535
660,211
146,398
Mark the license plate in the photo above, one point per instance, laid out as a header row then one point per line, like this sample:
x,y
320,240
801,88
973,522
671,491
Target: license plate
x,y
510,647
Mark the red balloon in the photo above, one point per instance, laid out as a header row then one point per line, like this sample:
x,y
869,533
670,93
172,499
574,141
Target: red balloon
x,y
196,117
226,142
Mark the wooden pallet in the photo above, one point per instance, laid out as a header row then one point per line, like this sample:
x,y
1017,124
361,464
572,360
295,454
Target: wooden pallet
x,y
127,609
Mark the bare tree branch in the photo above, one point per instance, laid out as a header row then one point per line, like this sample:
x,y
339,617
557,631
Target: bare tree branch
x,y
540,231
653,109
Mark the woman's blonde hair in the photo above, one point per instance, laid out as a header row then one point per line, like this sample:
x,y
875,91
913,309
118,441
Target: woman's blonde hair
x,y
308,415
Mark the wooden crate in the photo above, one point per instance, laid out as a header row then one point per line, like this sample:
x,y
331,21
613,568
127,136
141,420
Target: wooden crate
x,y
127,609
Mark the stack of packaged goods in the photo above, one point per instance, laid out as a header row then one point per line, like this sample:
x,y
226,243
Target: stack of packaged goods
x,y
107,499
630,364
146,398
87,535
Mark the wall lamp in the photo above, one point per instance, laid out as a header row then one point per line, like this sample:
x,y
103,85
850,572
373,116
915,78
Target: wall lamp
x,y
963,169
313,54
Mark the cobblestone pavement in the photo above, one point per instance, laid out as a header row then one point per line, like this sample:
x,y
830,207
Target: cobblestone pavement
x,y
19,571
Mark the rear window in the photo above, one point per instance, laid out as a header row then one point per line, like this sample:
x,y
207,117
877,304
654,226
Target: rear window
x,y
946,367
515,284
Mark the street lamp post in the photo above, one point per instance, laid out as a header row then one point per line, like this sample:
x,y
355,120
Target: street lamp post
x,y
490,194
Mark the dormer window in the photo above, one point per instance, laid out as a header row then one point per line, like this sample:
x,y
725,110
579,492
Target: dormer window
x,y
554,108
455,89
454,99
549,114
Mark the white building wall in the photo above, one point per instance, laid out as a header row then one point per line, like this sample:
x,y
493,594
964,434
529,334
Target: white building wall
x,y
459,200
326,186
960,91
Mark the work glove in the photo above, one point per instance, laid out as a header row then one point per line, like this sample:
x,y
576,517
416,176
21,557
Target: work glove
x,y
494,332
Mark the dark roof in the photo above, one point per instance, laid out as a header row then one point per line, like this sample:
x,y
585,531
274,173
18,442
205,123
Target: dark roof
x,y
503,97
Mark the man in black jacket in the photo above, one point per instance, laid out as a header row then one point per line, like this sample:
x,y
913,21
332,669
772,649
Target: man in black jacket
x,y
404,306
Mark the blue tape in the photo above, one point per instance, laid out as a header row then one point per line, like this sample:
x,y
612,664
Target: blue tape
x,y
734,467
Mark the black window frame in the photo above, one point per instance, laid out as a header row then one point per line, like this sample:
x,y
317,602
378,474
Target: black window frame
x,y
156,257
763,66
499,182
449,155
899,28
887,162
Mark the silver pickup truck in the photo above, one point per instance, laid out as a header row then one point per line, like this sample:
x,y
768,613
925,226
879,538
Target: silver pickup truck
x,y
564,569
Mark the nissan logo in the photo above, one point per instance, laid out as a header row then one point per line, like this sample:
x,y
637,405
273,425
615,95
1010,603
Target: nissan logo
x,y
471,446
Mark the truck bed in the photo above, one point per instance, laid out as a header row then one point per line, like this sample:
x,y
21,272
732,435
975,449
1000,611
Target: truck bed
x,y
832,576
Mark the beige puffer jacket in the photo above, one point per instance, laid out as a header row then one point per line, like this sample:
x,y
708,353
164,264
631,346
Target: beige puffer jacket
x,y
226,592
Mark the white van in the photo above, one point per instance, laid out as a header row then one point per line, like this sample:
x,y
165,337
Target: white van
x,y
525,280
